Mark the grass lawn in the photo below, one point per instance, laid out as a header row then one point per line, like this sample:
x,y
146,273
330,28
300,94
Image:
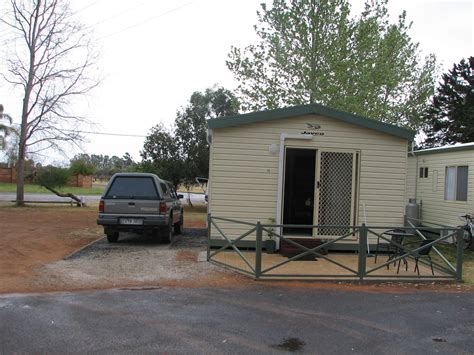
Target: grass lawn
x,y
196,215
31,188
97,189
449,251
197,189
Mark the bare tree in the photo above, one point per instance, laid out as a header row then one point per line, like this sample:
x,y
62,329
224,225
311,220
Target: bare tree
x,y
53,61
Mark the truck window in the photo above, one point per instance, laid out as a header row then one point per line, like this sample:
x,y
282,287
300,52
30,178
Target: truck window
x,y
165,189
172,191
124,187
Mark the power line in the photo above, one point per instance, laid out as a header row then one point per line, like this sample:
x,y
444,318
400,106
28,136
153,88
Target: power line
x,y
97,133
147,20
106,133
86,7
117,15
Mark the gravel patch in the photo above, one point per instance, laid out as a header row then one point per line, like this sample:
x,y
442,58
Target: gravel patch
x,y
132,243
134,258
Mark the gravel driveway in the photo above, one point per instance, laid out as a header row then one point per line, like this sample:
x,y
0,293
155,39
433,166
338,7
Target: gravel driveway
x,y
133,260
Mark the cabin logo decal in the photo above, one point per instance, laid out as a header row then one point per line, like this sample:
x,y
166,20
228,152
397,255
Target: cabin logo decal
x,y
312,129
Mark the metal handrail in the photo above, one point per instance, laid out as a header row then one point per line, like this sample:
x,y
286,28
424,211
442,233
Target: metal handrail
x,y
360,231
413,252
434,248
231,244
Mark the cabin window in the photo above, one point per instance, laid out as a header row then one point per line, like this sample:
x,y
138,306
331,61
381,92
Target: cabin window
x,y
456,183
423,173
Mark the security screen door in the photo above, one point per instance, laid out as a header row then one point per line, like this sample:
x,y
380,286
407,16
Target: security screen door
x,y
319,189
335,192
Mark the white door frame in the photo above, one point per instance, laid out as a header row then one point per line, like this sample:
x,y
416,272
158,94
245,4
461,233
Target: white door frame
x,y
281,164
281,172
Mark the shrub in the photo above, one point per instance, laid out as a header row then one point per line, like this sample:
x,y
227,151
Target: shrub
x,y
52,176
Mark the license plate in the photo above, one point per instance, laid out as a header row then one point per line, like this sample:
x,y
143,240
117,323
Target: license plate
x,y
134,221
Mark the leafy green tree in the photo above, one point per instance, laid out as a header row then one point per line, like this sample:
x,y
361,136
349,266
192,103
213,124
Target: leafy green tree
x,y
450,117
312,51
5,129
161,155
127,161
181,154
81,167
191,129
104,165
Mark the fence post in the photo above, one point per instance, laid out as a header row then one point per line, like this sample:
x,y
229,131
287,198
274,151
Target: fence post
x,y
362,251
459,253
208,236
258,251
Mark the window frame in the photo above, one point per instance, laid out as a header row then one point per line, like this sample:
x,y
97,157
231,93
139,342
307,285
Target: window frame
x,y
165,189
423,172
455,181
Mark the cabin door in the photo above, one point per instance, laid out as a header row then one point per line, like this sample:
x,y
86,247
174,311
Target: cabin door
x,y
319,189
298,190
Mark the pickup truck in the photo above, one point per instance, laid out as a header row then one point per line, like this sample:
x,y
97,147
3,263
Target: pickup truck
x,y
140,202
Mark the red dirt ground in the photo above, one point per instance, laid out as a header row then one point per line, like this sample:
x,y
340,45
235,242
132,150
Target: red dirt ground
x,y
34,236
31,237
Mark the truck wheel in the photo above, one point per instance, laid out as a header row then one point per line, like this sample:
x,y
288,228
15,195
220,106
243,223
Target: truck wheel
x,y
112,237
167,232
178,227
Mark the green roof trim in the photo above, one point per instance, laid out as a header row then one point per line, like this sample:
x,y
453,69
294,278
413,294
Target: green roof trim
x,y
301,110
445,149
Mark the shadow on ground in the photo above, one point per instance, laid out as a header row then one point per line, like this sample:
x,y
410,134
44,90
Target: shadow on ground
x,y
194,238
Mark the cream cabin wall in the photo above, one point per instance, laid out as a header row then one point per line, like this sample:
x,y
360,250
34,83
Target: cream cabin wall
x,y
431,190
244,174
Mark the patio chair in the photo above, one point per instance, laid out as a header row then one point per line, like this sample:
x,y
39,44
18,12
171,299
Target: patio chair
x,y
424,253
396,236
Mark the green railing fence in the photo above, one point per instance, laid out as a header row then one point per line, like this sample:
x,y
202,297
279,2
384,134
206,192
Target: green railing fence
x,y
252,265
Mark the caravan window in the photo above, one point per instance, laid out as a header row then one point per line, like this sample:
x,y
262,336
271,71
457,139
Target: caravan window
x,y
456,183
423,173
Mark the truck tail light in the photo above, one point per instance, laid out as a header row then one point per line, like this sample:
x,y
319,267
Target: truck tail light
x,y
101,206
162,207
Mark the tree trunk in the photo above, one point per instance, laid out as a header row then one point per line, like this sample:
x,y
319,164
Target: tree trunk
x,y
20,182
20,173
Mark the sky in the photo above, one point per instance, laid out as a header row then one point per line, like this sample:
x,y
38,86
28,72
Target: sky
x,y
154,54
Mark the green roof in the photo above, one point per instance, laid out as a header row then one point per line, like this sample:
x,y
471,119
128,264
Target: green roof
x,y
445,149
293,111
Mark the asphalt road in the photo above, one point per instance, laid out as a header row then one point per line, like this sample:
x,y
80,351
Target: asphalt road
x,y
11,196
259,319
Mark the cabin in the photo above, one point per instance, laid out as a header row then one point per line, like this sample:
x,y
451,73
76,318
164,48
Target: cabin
x,y
306,165
442,182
